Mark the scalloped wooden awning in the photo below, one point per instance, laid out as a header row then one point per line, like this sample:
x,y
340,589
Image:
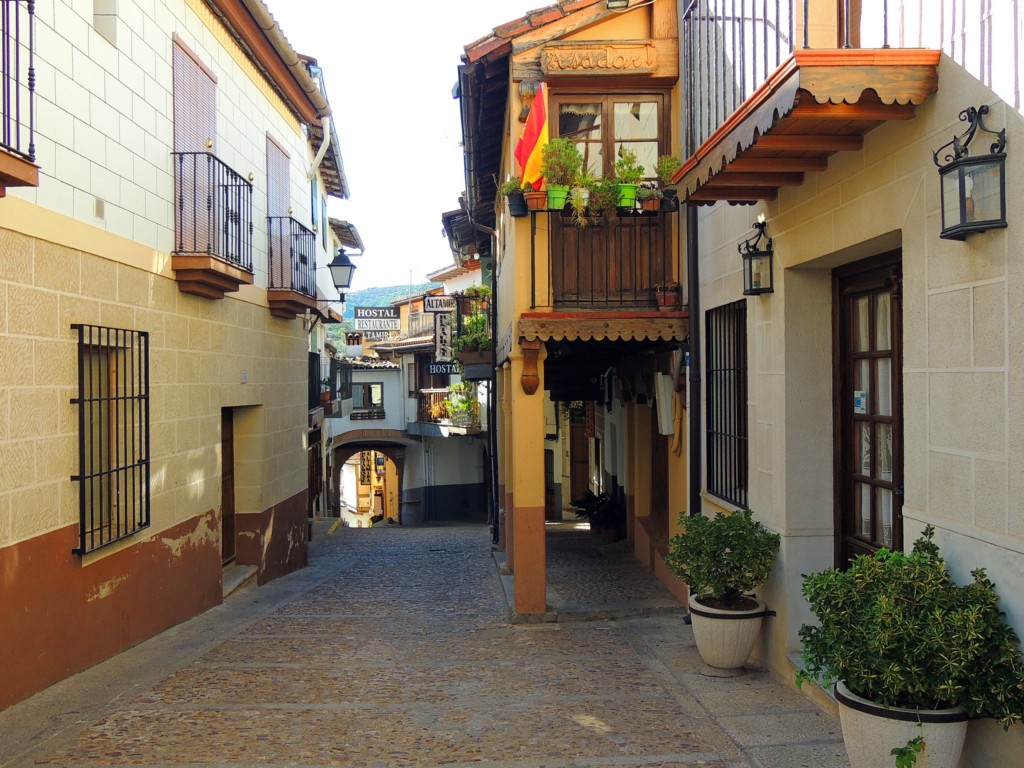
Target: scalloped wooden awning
x,y
817,103
611,326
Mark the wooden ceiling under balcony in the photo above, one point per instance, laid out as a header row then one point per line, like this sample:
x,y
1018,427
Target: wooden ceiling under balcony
x,y
816,104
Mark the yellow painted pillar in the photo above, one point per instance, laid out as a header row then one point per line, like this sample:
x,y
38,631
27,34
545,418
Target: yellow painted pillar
x,y
527,555
505,463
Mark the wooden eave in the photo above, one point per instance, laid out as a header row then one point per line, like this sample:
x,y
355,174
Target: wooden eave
x,y
597,326
816,104
255,42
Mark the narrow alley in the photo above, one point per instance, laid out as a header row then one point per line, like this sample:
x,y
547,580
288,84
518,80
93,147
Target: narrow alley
x,y
393,648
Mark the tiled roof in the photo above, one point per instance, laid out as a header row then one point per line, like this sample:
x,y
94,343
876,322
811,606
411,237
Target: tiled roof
x,y
368,363
499,42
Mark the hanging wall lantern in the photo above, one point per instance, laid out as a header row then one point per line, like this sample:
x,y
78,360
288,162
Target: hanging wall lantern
x,y
757,261
973,187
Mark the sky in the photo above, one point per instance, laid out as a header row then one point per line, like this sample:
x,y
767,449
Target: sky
x,y
389,69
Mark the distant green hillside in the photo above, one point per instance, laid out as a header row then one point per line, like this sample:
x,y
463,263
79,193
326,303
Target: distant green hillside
x,y
373,297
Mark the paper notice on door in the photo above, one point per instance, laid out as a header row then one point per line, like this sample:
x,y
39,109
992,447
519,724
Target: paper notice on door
x,y
860,401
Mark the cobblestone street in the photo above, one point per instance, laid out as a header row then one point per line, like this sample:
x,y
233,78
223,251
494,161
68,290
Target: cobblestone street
x,y
393,648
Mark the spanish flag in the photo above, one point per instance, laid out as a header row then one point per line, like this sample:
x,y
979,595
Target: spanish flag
x,y
531,143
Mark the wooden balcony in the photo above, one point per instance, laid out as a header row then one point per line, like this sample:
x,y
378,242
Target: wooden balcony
x,y
764,108
17,111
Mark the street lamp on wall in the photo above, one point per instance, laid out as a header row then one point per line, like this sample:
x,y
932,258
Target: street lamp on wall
x,y
973,188
757,261
341,271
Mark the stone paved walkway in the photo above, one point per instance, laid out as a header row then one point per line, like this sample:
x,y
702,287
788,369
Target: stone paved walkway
x,y
394,648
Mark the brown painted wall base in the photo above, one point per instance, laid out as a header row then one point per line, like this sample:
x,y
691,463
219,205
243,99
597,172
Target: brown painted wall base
x,y
59,617
276,540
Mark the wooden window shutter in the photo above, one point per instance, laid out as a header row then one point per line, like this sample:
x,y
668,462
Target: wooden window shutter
x,y
195,103
278,166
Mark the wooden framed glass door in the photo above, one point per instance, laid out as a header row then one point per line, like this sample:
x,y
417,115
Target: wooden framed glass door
x,y
868,392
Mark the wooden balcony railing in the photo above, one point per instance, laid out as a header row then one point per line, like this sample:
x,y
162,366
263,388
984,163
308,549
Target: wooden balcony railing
x,y
432,406
613,264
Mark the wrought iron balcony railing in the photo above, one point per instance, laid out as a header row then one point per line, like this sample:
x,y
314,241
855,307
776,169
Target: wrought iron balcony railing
x,y
18,77
613,264
731,47
291,251
213,209
433,406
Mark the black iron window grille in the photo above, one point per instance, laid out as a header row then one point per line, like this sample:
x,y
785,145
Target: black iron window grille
x,y
291,250
18,77
113,435
367,401
726,376
343,375
213,209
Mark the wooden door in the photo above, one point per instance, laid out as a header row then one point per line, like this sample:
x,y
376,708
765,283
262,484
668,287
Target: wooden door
x,y
227,485
868,393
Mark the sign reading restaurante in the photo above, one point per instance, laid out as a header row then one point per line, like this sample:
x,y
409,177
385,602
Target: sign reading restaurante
x,y
377,319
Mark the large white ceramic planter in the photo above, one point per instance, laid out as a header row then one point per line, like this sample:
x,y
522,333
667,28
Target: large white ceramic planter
x,y
724,638
870,732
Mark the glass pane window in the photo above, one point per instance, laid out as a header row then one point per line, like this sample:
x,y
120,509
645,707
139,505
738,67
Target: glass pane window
x,y
862,493
861,320
727,438
883,329
883,534
862,448
883,369
884,442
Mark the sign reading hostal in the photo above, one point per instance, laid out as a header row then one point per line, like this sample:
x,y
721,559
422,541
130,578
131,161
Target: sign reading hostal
x,y
439,369
377,319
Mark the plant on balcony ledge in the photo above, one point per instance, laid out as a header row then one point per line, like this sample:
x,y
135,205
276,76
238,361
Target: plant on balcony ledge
x,y
463,406
560,164
649,197
512,191
474,344
665,169
628,174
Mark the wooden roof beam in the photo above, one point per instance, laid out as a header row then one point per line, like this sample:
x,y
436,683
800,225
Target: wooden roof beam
x,y
859,112
794,142
730,178
711,194
777,164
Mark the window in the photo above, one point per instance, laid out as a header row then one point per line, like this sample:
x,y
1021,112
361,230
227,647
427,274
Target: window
x,y
726,376
113,434
410,375
367,401
600,125
313,202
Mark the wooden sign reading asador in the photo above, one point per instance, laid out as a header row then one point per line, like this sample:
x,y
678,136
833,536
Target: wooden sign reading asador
x,y
599,58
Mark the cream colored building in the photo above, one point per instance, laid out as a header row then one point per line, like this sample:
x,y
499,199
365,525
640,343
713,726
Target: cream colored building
x,y
159,248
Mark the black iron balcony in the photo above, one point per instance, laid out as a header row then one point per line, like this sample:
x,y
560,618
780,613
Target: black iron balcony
x,y
18,88
291,253
212,225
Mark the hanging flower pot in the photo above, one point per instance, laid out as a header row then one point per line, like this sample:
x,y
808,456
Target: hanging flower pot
x,y
627,195
516,204
558,194
536,199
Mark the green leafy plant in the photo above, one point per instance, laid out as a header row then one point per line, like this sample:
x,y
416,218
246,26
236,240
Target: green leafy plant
x,y
479,291
649,192
475,335
603,197
512,186
725,555
906,756
897,630
628,169
665,169
462,398
560,161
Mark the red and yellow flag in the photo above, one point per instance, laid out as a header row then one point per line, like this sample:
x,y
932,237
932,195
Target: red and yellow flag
x,y
531,143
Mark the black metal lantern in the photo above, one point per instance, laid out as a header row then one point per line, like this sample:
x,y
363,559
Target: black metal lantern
x,y
757,261
973,188
341,271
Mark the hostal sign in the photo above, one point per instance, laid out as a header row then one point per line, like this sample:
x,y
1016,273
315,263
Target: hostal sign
x,y
377,319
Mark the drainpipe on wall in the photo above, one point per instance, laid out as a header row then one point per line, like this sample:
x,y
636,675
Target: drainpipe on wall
x,y
492,391
696,417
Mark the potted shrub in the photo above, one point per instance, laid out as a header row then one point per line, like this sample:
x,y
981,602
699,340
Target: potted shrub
x,y
667,294
665,169
512,191
649,197
906,647
473,345
722,558
560,163
463,406
604,197
628,175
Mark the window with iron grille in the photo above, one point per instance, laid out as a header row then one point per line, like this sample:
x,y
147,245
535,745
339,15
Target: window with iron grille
x,y
113,434
726,378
